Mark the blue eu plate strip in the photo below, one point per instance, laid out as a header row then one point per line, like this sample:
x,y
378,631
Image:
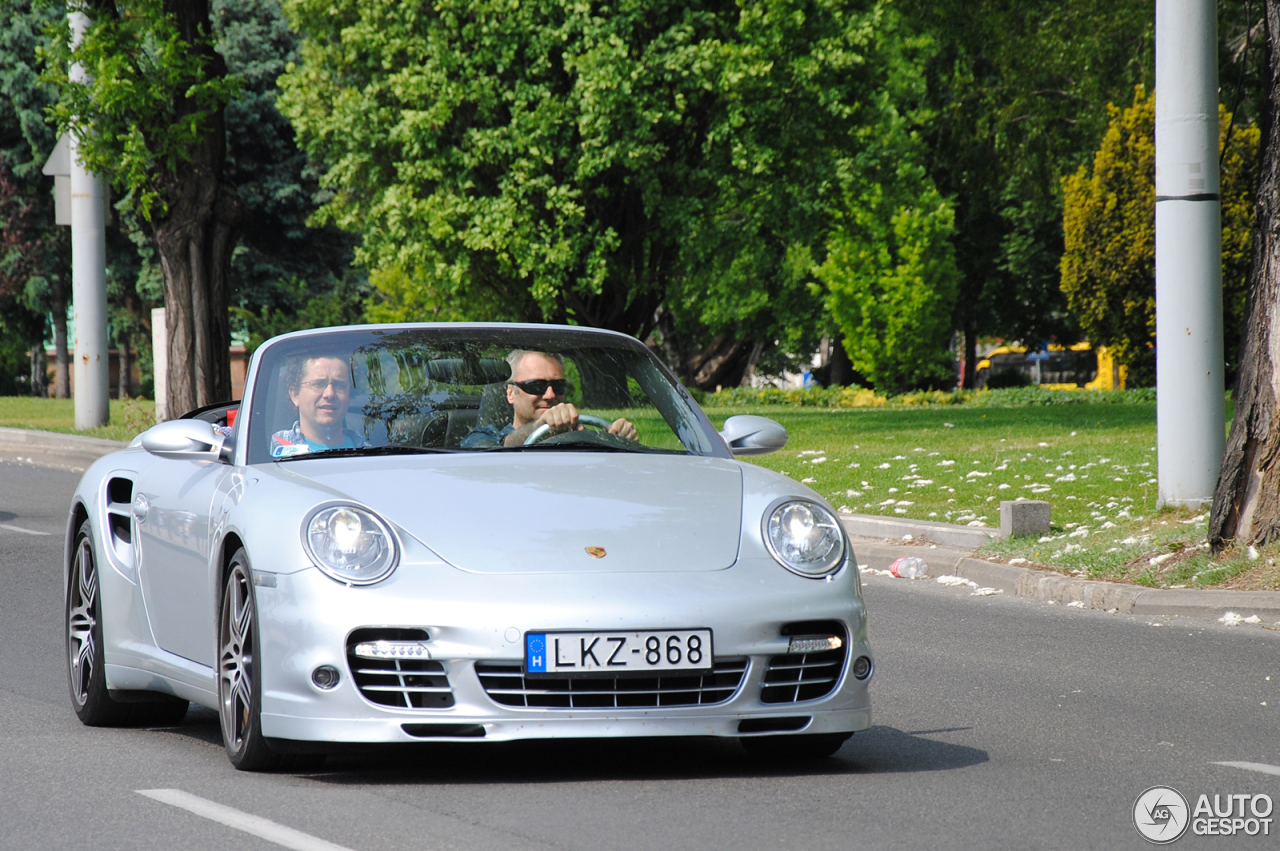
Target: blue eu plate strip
x,y
535,653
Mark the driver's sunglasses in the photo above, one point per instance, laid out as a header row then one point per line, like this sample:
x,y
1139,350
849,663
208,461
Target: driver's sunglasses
x,y
538,386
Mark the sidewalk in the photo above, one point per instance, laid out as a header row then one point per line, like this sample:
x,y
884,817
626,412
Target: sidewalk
x,y
952,554
52,449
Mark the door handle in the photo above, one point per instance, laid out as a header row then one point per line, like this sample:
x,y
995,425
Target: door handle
x,y
141,505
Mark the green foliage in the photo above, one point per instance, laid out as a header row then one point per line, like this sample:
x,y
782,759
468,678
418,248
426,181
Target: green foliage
x,y
26,140
277,187
296,308
857,397
891,272
147,100
399,296
1015,97
582,163
1108,267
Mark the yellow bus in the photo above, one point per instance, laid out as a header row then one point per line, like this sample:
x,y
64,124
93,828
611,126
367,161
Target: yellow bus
x,y
1065,368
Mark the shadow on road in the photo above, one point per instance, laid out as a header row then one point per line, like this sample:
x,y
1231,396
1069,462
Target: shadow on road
x,y
877,750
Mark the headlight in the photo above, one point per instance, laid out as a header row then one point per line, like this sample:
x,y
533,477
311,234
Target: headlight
x,y
350,544
805,538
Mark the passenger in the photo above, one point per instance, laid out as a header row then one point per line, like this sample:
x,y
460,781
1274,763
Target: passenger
x,y
320,388
536,391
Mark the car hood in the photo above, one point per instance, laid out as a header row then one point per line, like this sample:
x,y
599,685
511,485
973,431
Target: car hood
x,y
548,512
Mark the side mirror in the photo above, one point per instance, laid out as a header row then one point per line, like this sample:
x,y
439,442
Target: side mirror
x,y
751,435
192,440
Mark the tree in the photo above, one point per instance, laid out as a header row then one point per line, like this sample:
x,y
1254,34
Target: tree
x,y
549,161
1015,96
1108,266
891,270
1246,501
150,118
286,275
37,264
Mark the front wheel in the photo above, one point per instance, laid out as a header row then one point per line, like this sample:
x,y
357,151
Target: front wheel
x,y
811,746
239,683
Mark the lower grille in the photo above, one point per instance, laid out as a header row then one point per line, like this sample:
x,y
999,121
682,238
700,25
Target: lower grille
x,y
505,683
401,683
794,677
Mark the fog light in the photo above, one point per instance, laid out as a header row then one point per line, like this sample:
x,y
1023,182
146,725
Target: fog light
x,y
325,677
392,650
814,643
861,668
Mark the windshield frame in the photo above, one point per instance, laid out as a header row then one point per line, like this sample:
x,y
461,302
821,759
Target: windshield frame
x,y
252,448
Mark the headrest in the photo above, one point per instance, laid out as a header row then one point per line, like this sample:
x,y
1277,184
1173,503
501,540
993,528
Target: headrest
x,y
469,370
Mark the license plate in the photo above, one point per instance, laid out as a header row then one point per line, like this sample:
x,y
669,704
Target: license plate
x,y
614,653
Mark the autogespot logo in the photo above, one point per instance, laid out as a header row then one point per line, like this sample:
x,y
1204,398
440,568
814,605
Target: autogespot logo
x,y
1160,814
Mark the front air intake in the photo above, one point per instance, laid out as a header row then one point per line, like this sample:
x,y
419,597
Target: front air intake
x,y
796,677
507,684
401,683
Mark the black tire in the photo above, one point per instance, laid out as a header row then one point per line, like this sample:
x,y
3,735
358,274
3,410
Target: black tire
x,y
239,681
86,671
811,746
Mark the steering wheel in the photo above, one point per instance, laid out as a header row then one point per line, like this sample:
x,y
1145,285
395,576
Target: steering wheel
x,y
543,430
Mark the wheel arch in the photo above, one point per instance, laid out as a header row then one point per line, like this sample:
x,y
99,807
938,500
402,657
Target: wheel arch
x,y
79,514
230,544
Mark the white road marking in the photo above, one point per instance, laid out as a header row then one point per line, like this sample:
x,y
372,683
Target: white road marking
x,y
23,531
231,817
1261,767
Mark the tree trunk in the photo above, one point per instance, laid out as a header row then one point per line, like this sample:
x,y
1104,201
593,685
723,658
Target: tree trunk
x,y
841,372
750,372
970,378
123,390
39,371
61,357
194,240
1246,502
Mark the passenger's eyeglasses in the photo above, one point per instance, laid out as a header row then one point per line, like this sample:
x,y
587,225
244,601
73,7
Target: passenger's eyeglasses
x,y
538,386
319,385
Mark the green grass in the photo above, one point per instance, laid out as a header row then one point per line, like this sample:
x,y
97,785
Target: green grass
x,y
1095,463
128,416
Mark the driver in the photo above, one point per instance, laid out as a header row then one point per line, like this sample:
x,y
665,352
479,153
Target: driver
x,y
320,387
536,392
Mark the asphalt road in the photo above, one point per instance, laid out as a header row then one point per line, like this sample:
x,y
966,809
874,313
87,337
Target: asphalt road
x,y
999,723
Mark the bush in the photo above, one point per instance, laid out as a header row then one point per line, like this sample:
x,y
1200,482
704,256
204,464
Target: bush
x,y
858,397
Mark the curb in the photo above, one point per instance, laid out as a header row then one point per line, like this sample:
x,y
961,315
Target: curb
x,y
1049,587
946,534
1046,586
52,449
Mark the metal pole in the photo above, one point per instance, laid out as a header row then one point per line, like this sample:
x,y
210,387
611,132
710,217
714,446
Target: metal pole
x,y
88,276
1190,426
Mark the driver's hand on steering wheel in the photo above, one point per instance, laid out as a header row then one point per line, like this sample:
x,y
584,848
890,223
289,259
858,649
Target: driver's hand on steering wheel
x,y
623,428
560,418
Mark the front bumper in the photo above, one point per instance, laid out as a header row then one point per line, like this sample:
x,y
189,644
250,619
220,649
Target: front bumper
x,y
306,619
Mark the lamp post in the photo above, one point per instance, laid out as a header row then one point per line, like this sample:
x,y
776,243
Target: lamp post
x,y
1190,425
88,274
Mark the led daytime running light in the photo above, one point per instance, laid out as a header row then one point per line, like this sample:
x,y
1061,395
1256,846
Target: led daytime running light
x,y
392,650
815,644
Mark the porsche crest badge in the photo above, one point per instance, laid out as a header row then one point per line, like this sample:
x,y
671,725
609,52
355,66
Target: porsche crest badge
x,y
595,552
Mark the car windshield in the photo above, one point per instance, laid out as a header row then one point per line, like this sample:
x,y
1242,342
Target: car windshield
x,y
398,390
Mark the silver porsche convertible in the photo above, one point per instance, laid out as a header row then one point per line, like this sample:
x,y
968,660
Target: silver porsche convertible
x,y
462,532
